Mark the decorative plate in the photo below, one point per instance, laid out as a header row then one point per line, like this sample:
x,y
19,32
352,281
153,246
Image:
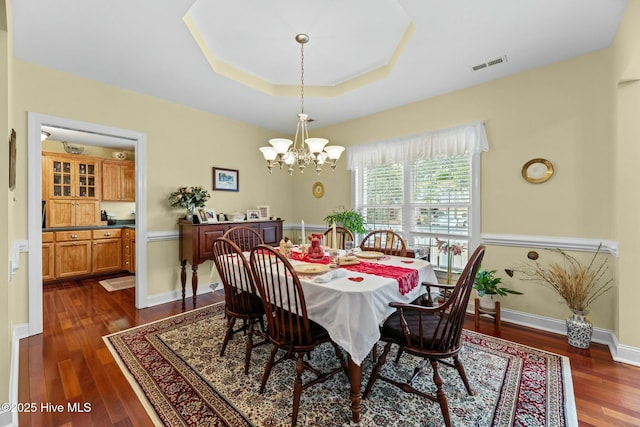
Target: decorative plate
x,y
119,155
311,268
318,189
537,171
370,254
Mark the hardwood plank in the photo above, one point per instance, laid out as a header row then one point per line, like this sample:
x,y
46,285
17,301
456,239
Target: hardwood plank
x,y
78,313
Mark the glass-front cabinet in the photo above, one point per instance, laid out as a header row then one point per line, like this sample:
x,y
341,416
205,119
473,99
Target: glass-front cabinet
x,y
71,190
72,178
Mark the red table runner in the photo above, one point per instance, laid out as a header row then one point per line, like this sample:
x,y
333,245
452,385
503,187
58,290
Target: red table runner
x,y
407,277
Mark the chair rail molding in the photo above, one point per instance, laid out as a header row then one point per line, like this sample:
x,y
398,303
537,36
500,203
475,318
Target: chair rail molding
x,y
565,243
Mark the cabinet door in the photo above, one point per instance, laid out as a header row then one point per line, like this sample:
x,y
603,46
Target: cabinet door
x,y
87,212
271,233
87,177
48,261
110,181
107,255
61,213
73,258
208,234
128,182
59,177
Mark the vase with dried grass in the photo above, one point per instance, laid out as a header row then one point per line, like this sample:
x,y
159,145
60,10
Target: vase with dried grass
x,y
578,284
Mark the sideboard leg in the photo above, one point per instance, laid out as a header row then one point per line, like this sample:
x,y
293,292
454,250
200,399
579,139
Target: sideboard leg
x,y
194,283
183,277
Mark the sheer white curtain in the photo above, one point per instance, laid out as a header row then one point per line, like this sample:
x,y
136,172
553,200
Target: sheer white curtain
x,y
466,139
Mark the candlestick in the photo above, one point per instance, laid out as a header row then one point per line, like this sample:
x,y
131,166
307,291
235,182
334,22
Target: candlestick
x,y
304,239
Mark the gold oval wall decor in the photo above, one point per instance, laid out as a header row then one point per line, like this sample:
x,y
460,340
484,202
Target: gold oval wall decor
x,y
537,171
318,189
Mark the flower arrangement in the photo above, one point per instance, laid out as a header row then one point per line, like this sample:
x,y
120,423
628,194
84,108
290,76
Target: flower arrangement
x,y
579,285
189,197
451,249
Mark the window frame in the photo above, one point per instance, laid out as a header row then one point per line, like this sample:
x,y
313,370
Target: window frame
x,y
408,209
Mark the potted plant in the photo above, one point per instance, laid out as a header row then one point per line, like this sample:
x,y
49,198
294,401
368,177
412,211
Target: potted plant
x,y
189,197
578,285
347,218
486,285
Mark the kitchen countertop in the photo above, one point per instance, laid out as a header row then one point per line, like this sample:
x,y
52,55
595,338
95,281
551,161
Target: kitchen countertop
x,y
120,223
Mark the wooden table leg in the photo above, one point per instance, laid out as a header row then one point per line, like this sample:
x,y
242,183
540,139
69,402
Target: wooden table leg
x,y
355,378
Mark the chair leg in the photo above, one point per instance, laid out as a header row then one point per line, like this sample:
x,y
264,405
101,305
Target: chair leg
x,y
297,388
458,364
442,397
376,370
400,351
227,336
247,355
267,369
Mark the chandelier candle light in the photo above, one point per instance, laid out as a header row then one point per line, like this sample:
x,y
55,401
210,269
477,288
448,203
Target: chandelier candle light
x,y
286,152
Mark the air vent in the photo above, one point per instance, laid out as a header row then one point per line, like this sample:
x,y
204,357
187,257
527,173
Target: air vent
x,y
490,63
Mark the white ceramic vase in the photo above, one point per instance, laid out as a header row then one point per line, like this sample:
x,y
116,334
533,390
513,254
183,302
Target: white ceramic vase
x,y
579,329
487,302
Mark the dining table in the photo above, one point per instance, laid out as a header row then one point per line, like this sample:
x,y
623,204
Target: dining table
x,y
351,301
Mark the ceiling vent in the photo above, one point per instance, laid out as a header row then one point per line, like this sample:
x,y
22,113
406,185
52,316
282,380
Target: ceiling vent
x,y
490,63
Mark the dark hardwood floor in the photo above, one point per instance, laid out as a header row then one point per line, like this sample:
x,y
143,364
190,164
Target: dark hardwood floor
x,y
69,362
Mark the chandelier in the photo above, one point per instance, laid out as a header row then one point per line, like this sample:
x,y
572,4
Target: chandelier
x,y
286,152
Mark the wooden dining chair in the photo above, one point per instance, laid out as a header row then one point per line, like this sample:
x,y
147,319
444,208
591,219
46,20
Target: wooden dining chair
x,y
241,297
343,235
433,334
386,241
245,237
288,325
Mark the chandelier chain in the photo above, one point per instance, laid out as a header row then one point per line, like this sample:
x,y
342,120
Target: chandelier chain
x,y
302,77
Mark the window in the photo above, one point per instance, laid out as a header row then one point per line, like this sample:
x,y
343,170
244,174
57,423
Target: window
x,y
424,199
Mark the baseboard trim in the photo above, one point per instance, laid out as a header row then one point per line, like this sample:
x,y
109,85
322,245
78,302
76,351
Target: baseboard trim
x,y
619,352
176,295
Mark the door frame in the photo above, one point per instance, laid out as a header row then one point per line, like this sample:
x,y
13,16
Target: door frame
x,y
35,121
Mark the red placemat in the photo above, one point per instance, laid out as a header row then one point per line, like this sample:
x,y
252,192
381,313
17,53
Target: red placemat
x,y
407,277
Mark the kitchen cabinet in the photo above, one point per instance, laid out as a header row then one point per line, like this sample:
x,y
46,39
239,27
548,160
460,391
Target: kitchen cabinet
x,y
71,190
72,253
70,213
106,251
48,256
118,180
129,250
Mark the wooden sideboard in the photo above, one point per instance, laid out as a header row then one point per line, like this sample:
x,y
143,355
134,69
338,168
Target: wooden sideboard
x,y
196,242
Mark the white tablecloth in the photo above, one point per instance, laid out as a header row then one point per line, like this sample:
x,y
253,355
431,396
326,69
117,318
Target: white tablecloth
x,y
352,311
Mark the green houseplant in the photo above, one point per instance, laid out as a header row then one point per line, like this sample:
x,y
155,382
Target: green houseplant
x,y
347,218
486,283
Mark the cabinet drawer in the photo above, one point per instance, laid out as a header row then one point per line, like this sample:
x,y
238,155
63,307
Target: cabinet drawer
x,y
111,233
47,236
68,236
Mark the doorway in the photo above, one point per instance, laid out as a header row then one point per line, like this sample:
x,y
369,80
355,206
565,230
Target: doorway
x,y
118,137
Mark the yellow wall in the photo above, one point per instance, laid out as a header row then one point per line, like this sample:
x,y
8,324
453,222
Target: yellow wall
x,y
562,112
627,151
6,203
182,146
571,113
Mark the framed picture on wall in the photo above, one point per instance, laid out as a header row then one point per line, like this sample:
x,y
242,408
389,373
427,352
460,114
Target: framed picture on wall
x,y
226,179
12,160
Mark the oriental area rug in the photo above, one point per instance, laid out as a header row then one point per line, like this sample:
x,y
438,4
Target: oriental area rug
x,y
175,368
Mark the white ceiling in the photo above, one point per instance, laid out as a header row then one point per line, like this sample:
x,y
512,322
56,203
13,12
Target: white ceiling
x,y
150,47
